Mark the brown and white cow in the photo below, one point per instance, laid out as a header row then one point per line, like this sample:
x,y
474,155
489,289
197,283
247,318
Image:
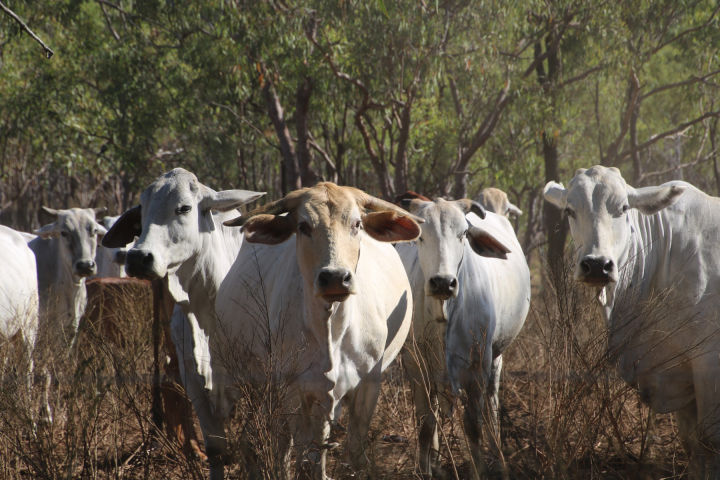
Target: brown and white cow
x,y
328,305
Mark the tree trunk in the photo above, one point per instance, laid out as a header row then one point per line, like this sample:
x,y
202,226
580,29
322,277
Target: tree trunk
x,y
291,170
401,161
304,154
556,226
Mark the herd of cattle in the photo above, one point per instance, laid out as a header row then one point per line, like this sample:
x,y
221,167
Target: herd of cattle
x,y
322,289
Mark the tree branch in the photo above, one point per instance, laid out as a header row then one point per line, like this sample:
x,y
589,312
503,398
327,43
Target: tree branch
x,y
689,81
48,51
656,138
685,32
632,103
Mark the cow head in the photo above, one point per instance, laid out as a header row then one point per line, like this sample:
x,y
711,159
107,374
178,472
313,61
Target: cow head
x,y
597,203
496,201
441,245
329,222
77,231
173,215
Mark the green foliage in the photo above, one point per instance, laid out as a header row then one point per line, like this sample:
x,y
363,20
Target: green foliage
x,y
137,87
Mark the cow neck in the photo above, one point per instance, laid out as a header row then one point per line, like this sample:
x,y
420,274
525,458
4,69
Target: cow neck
x,y
324,324
198,279
640,261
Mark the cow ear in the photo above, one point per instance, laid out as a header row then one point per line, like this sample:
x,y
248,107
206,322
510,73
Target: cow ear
x,y
47,231
513,210
653,199
268,229
390,226
227,199
125,229
101,230
486,244
556,194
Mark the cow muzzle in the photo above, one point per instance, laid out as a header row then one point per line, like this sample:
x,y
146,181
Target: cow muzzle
x,y
85,268
140,264
443,287
335,285
596,271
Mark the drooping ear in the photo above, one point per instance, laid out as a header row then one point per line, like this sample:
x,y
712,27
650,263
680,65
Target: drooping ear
x,y
653,199
390,226
47,231
556,194
467,206
514,210
268,229
226,199
125,229
485,243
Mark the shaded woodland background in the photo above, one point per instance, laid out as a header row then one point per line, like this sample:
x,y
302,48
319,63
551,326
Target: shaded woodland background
x,y
441,97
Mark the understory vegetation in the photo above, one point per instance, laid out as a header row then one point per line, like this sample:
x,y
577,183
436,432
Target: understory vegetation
x,y
564,412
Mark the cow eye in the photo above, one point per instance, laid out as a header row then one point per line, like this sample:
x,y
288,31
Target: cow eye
x,y
64,233
420,239
569,212
625,208
462,235
304,228
182,210
356,227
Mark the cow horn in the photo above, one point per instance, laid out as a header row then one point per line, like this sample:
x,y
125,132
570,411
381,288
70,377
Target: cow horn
x,y
50,211
285,204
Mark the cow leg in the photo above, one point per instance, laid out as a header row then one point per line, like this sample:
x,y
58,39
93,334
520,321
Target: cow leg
x,y
212,425
362,405
493,399
311,434
425,401
705,460
475,384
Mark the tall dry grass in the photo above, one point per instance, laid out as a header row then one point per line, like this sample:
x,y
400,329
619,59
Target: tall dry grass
x,y
565,413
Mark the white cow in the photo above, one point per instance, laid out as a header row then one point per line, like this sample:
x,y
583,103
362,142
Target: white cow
x,y
65,256
182,238
496,201
471,286
18,294
110,261
325,304
640,245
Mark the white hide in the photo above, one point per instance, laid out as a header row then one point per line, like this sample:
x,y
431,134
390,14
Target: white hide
x,y
181,236
461,339
659,287
323,352
110,261
18,292
65,256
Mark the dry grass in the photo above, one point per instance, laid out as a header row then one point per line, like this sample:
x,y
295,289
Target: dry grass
x,y
565,413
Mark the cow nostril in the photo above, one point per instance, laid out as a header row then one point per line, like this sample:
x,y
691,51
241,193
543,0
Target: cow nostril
x,y
453,283
347,279
434,282
148,259
607,268
323,279
585,267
